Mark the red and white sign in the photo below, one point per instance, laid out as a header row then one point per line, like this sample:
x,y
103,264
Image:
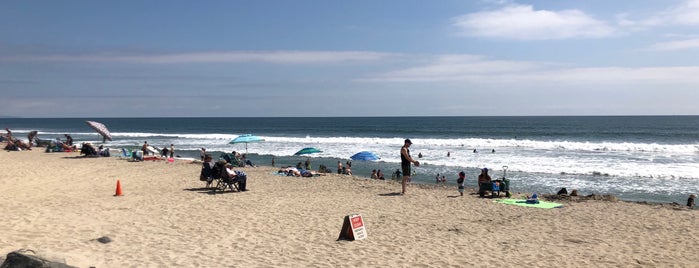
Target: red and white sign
x,y
358,228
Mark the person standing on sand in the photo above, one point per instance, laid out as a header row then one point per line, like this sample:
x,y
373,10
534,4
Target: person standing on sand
x,y
172,150
690,201
202,154
144,148
405,161
339,167
460,181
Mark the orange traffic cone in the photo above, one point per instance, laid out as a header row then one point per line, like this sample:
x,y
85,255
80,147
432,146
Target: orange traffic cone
x,y
118,189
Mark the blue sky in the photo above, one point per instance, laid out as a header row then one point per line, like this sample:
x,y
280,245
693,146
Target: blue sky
x,y
348,58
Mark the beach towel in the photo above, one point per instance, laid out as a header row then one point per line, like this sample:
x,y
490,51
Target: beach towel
x,y
523,202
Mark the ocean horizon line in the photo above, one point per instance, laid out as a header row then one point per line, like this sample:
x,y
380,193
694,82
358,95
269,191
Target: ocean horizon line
x,y
377,116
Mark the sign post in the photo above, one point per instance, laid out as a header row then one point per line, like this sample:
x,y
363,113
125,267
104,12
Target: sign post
x,y
353,228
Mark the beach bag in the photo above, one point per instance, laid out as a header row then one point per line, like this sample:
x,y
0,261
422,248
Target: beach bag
x,y
242,178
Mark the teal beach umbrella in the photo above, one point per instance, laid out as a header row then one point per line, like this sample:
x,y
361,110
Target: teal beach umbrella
x,y
246,138
308,150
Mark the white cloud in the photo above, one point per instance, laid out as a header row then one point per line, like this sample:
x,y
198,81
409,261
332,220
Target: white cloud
x,y
686,13
481,71
458,67
524,23
676,45
279,57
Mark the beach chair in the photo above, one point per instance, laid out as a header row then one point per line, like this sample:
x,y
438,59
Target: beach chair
x,y
208,174
223,181
227,183
231,159
125,154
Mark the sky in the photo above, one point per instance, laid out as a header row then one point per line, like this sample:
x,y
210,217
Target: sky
x,y
268,58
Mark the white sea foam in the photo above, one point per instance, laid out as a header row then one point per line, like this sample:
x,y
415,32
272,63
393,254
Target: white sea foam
x,y
623,159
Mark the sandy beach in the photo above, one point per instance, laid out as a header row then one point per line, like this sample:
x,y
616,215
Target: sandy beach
x,y
59,204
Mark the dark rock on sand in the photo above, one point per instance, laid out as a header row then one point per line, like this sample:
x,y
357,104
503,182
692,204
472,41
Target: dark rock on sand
x,y
28,258
104,239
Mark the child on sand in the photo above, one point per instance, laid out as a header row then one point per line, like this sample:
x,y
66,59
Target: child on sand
x,y
460,181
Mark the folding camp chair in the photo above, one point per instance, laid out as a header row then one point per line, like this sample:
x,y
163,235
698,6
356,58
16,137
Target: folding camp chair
x,y
224,181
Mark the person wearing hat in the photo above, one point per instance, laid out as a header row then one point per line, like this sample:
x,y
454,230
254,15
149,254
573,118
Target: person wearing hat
x,y
405,161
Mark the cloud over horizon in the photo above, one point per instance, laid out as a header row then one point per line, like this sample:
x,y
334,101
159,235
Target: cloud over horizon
x,y
523,22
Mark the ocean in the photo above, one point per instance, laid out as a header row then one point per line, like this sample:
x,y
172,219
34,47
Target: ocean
x,y
636,158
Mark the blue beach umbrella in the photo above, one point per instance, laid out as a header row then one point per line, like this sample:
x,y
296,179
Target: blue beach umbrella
x,y
365,156
308,150
246,138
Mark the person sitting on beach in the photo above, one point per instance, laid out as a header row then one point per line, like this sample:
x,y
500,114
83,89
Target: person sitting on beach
x,y
22,145
31,137
484,182
379,174
69,140
236,176
88,150
533,199
207,170
9,134
397,174
11,147
104,151
11,144
229,170
244,161
484,177
374,175
64,147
